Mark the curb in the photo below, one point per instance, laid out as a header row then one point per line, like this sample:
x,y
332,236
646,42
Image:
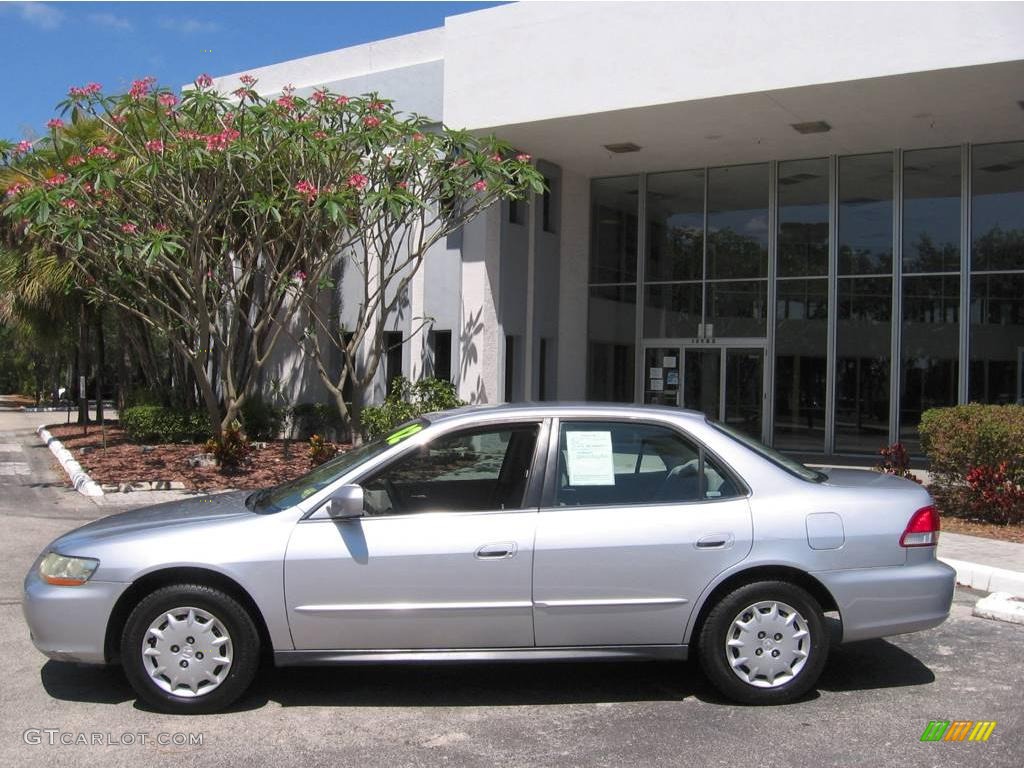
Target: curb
x,y
987,578
1002,606
79,478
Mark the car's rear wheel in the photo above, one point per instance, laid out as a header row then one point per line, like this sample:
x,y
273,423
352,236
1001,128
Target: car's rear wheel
x,y
764,643
189,648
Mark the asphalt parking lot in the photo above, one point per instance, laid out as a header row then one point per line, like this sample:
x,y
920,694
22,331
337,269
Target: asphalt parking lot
x,y
873,703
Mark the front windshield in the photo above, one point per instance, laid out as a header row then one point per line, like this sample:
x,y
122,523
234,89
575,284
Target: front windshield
x,y
290,493
782,461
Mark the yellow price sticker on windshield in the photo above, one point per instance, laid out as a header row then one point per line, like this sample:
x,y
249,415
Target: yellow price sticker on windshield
x,y
404,433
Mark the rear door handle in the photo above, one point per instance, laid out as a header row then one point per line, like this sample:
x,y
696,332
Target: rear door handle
x,y
500,551
715,541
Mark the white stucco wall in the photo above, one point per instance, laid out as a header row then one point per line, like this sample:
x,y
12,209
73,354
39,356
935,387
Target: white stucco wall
x,y
536,61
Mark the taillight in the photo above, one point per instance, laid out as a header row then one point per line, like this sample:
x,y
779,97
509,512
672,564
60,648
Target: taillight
x,y
923,529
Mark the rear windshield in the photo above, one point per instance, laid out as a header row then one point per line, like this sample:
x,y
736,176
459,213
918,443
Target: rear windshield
x,y
792,466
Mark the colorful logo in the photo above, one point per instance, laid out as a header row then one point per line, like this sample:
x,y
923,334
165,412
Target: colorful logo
x,y
958,730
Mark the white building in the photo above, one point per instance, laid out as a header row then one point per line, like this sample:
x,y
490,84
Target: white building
x,y
804,218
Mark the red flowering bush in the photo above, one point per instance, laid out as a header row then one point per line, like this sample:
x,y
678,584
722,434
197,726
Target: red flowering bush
x,y
194,214
895,461
976,455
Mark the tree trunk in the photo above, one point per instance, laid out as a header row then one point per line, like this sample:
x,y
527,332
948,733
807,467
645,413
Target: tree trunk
x,y
101,354
83,364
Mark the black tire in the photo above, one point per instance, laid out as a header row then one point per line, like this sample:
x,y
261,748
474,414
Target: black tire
x,y
244,641
715,656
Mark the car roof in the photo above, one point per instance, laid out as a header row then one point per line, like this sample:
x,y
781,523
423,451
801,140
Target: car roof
x,y
566,409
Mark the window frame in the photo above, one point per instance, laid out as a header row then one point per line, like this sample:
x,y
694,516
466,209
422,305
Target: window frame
x,y
534,485
551,469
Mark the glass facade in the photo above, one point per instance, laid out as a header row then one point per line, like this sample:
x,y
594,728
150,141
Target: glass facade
x,y
820,304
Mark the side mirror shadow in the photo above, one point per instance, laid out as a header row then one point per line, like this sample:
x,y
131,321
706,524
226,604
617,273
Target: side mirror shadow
x,y
345,503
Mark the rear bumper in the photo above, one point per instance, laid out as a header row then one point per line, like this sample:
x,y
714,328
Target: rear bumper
x,y
70,623
878,602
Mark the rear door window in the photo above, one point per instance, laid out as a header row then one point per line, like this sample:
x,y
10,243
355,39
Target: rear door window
x,y
606,463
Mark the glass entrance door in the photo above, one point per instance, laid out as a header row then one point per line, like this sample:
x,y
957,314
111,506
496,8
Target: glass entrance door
x,y
727,383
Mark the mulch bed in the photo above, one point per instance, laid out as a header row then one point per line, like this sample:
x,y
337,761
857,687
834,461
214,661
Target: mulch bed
x,y
1014,533
123,461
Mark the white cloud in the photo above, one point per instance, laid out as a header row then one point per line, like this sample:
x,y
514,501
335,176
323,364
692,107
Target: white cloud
x,y
40,15
190,26
112,21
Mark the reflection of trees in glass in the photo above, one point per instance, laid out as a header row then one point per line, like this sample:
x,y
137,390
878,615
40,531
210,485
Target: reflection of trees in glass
x,y
863,260
999,249
925,256
734,254
803,248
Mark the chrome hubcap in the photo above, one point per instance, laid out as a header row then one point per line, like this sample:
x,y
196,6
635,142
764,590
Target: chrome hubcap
x,y
767,644
187,652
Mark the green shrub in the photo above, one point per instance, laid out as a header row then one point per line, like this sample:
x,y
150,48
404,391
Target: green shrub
x,y
976,455
156,424
407,401
310,419
261,420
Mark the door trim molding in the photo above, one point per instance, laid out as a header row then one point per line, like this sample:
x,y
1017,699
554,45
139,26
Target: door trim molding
x,y
292,658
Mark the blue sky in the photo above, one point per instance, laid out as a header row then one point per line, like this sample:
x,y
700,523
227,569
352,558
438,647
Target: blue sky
x,y
50,46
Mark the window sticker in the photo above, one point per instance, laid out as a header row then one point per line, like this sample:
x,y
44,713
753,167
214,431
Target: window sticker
x,y
590,458
404,433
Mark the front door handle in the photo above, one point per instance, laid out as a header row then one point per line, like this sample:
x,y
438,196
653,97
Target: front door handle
x,y
500,551
715,541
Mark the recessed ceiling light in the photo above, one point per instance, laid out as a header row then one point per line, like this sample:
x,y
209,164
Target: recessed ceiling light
x,y
622,147
816,126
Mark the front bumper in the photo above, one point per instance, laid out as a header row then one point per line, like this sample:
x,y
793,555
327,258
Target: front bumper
x,y
878,602
70,623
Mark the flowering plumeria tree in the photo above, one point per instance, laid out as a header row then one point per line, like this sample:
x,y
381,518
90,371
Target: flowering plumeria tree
x,y
220,218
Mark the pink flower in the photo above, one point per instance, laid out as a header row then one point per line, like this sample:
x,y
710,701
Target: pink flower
x,y
522,157
376,106
318,96
56,180
358,181
119,119
371,122
17,188
204,81
161,227
128,228
300,275
155,145
241,93
22,147
286,102
74,160
218,142
167,99
307,190
87,188
480,186
495,158
89,90
102,151
54,123
418,136
69,204
402,185
341,101
187,135
140,88
319,135
247,80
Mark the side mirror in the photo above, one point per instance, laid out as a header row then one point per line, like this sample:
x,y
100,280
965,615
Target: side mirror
x,y
345,503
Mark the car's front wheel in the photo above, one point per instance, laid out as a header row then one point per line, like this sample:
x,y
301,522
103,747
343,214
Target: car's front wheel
x,y
764,643
190,648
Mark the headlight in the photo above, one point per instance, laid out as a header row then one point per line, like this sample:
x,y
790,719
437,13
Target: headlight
x,y
64,571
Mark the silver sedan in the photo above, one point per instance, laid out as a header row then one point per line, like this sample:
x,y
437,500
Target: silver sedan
x,y
532,532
